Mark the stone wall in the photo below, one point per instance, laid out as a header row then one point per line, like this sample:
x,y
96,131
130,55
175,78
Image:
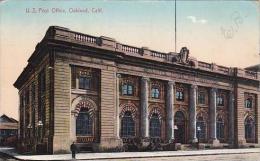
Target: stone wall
x,y
61,141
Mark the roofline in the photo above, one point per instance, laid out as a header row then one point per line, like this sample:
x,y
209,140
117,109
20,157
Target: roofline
x,y
62,34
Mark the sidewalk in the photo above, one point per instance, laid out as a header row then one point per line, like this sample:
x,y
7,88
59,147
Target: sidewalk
x,y
125,155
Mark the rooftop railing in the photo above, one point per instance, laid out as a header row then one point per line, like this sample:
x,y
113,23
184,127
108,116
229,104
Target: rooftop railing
x,y
102,42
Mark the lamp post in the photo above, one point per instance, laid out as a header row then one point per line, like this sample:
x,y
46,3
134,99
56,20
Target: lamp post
x,y
199,129
40,125
175,128
29,127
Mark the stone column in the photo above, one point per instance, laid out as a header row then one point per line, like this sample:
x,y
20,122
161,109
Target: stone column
x,y
118,76
170,109
144,108
192,110
213,115
231,122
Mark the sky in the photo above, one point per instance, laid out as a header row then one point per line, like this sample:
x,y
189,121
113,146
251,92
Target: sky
x,y
223,32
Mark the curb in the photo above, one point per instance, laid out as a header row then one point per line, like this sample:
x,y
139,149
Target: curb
x,y
164,156
10,155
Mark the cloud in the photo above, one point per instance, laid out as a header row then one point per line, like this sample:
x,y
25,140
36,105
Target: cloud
x,y
196,20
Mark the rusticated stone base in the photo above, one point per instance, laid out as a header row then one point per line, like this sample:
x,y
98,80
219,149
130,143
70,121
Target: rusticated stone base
x,y
241,143
215,143
61,144
108,145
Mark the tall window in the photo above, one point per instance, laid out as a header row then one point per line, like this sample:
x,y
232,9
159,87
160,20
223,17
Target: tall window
x,y
220,128
127,89
42,79
155,92
33,106
249,102
41,96
220,100
202,125
201,98
249,129
84,82
33,93
84,123
27,97
155,126
127,125
180,96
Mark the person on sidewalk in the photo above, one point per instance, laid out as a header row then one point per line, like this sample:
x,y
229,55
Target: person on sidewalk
x,y
73,149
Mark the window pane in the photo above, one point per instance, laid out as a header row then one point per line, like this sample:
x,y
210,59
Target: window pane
x,y
180,96
155,128
84,82
124,89
202,133
127,125
220,129
130,90
84,124
155,93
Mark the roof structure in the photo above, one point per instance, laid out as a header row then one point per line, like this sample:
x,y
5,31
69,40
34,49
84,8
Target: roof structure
x,y
8,122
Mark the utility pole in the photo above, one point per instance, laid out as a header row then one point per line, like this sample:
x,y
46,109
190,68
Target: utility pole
x,y
175,33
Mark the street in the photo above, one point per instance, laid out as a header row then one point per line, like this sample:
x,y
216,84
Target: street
x,y
222,157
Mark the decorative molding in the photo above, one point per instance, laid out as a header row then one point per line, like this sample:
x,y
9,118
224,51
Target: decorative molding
x,y
128,107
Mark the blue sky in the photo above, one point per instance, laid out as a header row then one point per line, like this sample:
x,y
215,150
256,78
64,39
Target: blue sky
x,y
223,32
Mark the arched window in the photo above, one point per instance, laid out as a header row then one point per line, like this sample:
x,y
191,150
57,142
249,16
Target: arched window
x,y
249,129
155,92
202,126
155,126
127,89
180,130
220,128
84,123
127,125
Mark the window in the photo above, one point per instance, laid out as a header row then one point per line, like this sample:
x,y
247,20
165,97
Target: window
x,y
201,98
220,129
42,85
180,96
127,125
127,89
84,123
154,126
155,92
249,129
84,82
220,100
201,123
33,93
249,103
27,97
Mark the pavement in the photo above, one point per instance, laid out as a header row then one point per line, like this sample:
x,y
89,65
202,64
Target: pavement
x,y
127,155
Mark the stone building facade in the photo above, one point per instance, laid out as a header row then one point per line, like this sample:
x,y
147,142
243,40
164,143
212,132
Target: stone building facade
x,y
102,94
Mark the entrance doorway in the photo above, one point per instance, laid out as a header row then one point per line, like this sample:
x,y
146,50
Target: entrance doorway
x,y
180,131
